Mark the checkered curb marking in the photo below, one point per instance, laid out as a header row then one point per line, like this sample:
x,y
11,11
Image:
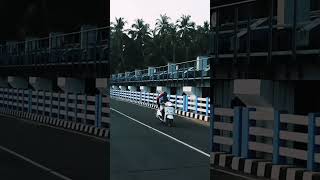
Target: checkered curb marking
x,y
178,112
261,168
88,129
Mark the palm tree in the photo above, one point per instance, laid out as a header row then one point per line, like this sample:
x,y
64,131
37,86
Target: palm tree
x,y
186,28
173,36
140,33
201,39
118,37
162,25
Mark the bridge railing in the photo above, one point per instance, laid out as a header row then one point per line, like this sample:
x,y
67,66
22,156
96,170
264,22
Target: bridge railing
x,y
271,135
93,110
196,105
83,46
191,70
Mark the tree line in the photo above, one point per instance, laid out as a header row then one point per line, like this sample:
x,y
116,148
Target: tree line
x,y
141,46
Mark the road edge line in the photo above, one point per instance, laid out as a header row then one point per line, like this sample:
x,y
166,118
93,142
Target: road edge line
x,y
34,163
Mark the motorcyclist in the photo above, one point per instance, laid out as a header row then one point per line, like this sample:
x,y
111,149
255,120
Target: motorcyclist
x,y
162,98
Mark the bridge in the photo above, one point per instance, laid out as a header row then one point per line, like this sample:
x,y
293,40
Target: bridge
x,y
55,107
268,59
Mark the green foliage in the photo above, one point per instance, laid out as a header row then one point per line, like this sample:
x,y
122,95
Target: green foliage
x,y
140,46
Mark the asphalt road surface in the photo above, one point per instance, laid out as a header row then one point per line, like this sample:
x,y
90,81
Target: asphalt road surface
x,y
32,151
143,148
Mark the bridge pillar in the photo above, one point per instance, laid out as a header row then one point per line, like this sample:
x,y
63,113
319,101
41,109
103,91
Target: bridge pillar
x,y
115,87
71,85
146,89
4,82
192,91
123,88
18,82
163,88
132,88
39,83
102,85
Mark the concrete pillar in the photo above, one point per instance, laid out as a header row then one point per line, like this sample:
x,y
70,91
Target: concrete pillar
x,y
146,89
102,85
71,85
192,91
39,83
162,89
4,82
132,88
18,82
123,88
115,87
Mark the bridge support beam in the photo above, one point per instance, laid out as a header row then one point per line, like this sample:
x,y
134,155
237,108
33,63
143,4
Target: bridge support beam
x,y
71,85
162,89
39,83
132,88
192,91
146,89
18,82
102,85
123,88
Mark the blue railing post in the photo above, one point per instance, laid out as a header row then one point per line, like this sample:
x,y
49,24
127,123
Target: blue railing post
x,y
276,138
29,101
98,110
245,132
76,107
37,102
196,105
212,127
51,94
237,126
311,165
176,100
66,100
59,97
207,106
184,103
187,108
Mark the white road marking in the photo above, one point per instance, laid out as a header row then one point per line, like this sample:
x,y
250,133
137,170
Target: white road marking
x,y
35,163
160,132
181,142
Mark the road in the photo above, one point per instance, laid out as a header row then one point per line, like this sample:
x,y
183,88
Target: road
x,y
143,148
32,151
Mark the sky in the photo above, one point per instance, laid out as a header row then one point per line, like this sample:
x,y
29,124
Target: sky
x,y
150,10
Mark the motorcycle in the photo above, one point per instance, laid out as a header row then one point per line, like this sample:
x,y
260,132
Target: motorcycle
x,y
167,118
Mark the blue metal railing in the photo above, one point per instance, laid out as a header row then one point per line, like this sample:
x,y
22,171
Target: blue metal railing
x,y
84,46
273,138
196,69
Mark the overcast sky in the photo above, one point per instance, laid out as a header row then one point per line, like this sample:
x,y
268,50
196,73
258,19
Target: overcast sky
x,y
150,10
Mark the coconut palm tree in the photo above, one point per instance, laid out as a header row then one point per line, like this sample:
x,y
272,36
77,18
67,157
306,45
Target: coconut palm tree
x,y
141,34
118,36
186,29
